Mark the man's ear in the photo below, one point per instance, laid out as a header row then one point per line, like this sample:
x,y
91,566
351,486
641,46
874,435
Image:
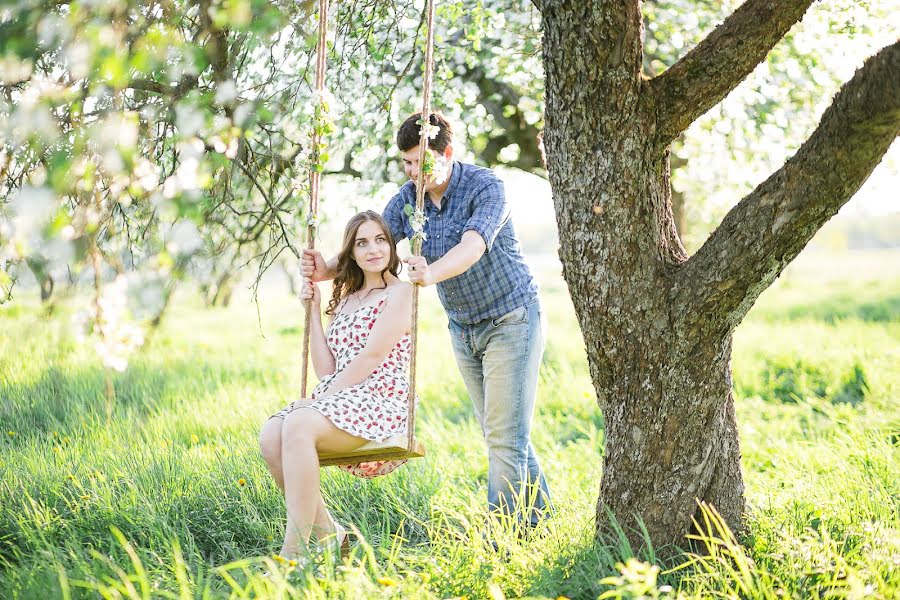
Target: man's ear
x,y
448,151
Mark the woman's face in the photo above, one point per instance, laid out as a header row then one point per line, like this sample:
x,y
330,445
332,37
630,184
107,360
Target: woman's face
x,y
371,249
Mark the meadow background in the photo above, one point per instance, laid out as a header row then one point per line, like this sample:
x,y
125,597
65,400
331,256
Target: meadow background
x,y
168,496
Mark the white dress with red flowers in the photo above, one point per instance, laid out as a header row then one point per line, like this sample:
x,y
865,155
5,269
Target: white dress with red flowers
x,y
375,409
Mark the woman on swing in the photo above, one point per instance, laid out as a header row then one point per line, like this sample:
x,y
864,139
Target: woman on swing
x,y
361,361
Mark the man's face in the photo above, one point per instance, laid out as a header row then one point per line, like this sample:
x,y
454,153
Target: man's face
x,y
411,165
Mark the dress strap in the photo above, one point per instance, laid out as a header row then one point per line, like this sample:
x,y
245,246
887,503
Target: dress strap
x,y
337,309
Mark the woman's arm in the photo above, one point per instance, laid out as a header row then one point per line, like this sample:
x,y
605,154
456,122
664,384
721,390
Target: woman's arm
x,y
322,359
391,325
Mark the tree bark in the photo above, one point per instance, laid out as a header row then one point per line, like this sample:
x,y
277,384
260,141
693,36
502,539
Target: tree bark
x,y
657,326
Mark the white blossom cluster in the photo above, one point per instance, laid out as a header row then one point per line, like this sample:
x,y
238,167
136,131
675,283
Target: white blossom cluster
x,y
429,130
417,221
441,169
117,335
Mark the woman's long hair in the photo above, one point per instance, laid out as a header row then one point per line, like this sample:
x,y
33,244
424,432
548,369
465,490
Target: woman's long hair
x,y
350,278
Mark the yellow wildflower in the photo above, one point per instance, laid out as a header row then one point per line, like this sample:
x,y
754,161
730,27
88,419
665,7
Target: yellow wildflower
x,y
195,439
279,559
85,497
11,433
292,562
386,581
242,482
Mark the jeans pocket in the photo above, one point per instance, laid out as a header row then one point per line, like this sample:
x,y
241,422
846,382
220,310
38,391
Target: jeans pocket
x,y
517,316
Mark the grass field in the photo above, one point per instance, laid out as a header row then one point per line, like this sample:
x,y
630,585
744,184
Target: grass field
x,y
170,497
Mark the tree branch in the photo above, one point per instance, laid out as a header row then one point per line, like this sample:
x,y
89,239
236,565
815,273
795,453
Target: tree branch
x,y
187,83
768,228
706,74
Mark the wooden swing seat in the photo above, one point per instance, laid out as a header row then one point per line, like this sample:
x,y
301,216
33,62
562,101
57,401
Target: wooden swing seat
x,y
392,448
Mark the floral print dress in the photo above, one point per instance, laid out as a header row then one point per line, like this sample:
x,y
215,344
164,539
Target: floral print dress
x,y
375,409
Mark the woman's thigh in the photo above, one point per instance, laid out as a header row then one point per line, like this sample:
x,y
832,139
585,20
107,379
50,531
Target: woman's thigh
x,y
308,422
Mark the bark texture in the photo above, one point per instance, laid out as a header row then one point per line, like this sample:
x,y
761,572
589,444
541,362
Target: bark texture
x,y
658,326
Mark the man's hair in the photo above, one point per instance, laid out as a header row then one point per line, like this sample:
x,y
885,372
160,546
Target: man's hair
x,y
408,134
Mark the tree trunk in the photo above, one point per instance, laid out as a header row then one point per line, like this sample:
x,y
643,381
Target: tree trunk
x,y
666,395
657,326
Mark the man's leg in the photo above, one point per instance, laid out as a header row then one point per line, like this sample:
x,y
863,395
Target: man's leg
x,y
469,363
512,349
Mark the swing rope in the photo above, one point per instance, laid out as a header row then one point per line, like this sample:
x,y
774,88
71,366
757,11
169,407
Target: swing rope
x,y
420,208
412,447
314,174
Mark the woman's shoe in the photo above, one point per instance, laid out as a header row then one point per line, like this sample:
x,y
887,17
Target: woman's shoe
x,y
339,541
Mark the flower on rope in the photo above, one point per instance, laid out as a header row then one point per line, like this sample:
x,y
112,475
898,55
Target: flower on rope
x,y
436,167
323,123
417,221
323,98
440,170
312,220
428,130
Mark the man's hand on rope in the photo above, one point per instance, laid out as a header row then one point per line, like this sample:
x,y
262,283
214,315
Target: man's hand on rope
x,y
313,266
310,291
419,272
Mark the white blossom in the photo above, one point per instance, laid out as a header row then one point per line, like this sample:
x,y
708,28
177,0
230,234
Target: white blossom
x,y
431,131
226,92
183,238
417,221
188,119
117,336
441,169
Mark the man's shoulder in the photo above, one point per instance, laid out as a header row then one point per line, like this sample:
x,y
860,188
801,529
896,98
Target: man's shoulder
x,y
476,174
475,179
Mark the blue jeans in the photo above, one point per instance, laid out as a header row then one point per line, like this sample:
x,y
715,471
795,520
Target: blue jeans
x,y
499,360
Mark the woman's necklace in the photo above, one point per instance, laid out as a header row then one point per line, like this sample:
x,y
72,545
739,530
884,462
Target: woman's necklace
x,y
360,299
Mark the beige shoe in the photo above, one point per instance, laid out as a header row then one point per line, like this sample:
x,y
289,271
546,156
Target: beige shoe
x,y
339,540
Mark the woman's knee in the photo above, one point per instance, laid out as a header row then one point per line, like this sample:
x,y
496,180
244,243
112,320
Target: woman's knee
x,y
270,440
301,427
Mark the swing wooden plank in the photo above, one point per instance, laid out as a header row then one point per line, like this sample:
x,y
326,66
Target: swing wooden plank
x,y
392,448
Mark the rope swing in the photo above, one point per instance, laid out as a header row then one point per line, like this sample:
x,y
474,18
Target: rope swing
x,y
399,446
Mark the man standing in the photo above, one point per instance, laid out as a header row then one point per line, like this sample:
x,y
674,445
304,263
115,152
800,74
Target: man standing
x,y
470,251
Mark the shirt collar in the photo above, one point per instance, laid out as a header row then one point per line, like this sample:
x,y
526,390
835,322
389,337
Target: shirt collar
x,y
455,176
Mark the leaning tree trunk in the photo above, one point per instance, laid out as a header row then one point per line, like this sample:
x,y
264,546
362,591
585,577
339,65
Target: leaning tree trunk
x,y
670,436
658,325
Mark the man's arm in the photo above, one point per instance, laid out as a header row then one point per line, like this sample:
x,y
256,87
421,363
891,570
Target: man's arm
x,y
457,261
489,215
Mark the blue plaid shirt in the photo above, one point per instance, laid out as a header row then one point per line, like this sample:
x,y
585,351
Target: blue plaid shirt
x,y
500,281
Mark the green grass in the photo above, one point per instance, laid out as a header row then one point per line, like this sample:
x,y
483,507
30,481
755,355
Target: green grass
x,y
150,503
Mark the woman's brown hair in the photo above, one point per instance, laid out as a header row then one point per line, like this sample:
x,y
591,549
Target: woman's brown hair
x,y
350,278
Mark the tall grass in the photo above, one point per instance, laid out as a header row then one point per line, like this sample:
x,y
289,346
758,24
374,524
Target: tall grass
x,y
169,497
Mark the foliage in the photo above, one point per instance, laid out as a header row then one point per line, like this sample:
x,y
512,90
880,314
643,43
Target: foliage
x,y
174,138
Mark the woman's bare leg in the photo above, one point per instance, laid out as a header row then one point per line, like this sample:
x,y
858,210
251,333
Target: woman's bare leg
x,y
270,446
304,434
